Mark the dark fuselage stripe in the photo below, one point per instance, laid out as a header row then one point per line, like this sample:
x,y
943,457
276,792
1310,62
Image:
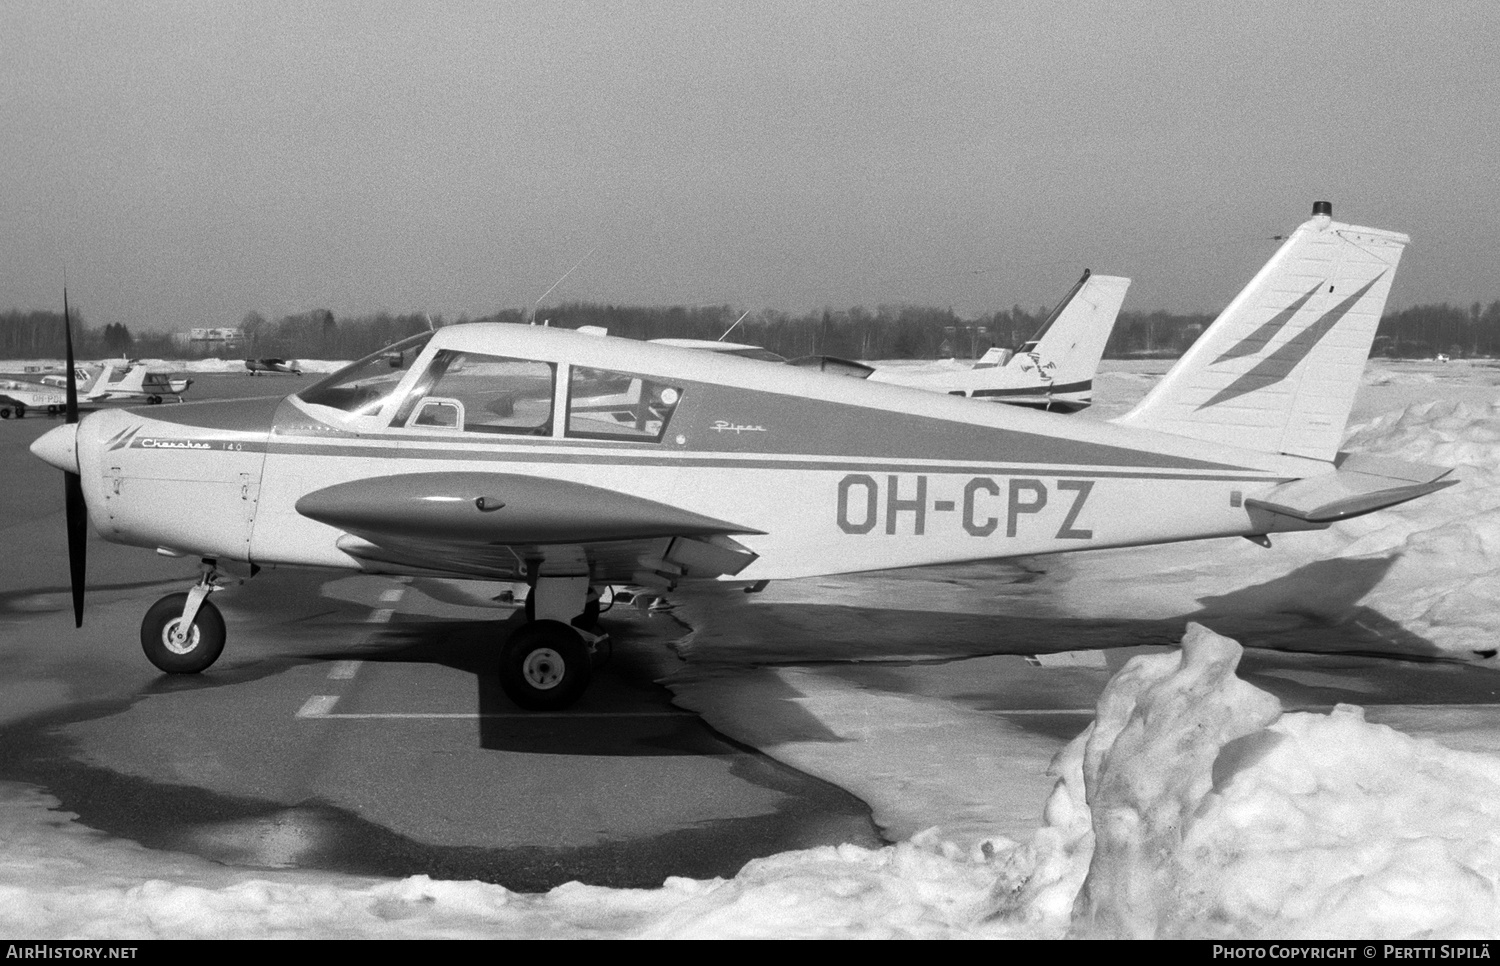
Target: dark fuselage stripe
x,y
754,462
750,461
1042,391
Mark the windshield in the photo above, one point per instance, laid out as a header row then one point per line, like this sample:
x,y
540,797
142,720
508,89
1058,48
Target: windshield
x,y
363,387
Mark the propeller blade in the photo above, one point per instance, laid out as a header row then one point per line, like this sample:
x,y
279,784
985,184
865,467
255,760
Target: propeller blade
x,y
77,510
78,534
72,375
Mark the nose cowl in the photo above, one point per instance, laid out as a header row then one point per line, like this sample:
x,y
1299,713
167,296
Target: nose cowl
x,y
58,447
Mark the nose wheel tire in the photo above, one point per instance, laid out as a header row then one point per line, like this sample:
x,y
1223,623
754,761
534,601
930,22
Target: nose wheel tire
x,y
204,642
544,666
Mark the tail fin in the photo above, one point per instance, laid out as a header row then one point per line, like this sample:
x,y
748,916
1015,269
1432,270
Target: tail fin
x,y
1277,371
1067,348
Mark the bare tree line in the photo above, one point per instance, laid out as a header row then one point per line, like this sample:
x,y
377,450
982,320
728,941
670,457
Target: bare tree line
x,y
887,332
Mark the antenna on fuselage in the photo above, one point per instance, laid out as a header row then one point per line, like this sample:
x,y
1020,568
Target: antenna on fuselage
x,y
531,315
731,328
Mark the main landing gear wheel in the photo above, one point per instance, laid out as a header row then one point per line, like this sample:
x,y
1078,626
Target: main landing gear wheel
x,y
204,644
544,666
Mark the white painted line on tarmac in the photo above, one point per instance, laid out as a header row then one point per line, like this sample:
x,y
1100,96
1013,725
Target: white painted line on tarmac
x,y
318,706
381,616
344,670
470,716
392,595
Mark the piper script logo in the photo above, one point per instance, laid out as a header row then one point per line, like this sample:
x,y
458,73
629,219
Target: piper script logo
x,y
725,426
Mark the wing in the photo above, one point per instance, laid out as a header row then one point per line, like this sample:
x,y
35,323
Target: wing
x,y
506,526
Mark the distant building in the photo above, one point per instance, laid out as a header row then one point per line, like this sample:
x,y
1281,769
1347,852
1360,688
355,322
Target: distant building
x,y
211,341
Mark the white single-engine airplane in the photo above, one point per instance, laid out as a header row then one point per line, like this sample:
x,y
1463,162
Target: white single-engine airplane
x,y
110,384
569,461
1054,370
122,381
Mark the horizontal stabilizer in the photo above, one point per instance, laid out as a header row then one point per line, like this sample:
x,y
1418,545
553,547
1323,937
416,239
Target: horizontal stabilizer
x,y
1360,485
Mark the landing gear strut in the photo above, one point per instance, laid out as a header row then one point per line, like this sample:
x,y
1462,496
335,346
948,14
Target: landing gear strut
x,y
184,633
546,664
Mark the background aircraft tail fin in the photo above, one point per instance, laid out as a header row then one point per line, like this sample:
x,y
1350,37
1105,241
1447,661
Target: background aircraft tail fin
x,y
1277,371
1068,346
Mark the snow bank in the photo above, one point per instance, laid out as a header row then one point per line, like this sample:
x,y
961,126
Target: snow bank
x,y
1444,582
1202,812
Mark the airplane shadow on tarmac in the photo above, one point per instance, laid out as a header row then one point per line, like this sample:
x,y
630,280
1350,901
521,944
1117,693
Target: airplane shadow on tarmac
x,y
624,712
1313,611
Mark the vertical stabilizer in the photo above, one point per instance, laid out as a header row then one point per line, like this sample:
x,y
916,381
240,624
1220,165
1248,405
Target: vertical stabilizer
x,y
1067,348
1278,370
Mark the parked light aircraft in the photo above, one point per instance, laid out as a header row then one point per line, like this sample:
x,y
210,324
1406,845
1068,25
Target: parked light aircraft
x,y
120,381
1054,370
17,396
110,384
570,462
257,366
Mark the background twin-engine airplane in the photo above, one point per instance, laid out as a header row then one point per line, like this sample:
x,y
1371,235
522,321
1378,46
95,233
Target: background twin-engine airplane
x,y
1054,370
571,462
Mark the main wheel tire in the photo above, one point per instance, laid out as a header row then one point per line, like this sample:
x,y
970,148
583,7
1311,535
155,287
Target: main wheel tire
x,y
52,410
204,644
20,412
544,666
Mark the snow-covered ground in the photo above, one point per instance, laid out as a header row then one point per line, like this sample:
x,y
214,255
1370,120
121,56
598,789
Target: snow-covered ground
x,y
1225,817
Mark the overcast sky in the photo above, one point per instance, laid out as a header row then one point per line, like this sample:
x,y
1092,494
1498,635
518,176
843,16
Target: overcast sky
x,y
191,162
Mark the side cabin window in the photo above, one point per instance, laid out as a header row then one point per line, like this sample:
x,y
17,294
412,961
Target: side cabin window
x,y
615,405
472,393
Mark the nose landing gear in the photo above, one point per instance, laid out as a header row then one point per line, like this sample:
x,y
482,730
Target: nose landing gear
x,y
184,633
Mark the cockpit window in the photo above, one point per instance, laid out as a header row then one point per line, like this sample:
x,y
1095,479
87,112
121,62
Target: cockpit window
x,y
362,387
614,405
472,393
